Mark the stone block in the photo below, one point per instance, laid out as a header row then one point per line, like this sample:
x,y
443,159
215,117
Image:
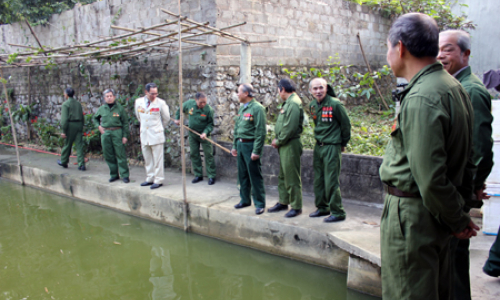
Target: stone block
x,y
364,276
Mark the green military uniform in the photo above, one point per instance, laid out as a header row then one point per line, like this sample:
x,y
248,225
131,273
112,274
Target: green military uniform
x,y
332,131
201,120
429,159
492,265
483,159
72,127
288,129
249,137
114,120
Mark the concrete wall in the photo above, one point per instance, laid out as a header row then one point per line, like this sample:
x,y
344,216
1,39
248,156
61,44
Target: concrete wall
x,y
359,178
485,42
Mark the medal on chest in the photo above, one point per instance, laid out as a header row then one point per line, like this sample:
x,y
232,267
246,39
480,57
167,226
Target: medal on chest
x,y
191,111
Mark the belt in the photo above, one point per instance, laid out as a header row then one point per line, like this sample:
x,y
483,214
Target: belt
x,y
323,144
246,141
112,128
391,190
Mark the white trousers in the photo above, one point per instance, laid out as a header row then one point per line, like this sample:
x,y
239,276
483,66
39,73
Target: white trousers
x,y
153,161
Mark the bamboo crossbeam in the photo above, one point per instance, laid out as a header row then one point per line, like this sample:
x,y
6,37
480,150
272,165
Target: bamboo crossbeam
x,y
36,38
205,26
100,41
207,139
256,42
157,34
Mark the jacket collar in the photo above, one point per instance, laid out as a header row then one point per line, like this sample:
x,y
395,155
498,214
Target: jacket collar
x,y
465,73
426,70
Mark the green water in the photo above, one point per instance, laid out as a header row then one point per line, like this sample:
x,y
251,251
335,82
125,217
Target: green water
x,y
53,247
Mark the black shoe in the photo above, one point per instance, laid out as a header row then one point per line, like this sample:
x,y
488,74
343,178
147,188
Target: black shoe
x,y
82,168
318,213
331,219
278,207
126,179
197,179
240,205
155,186
145,183
113,179
211,181
490,273
293,213
62,165
259,210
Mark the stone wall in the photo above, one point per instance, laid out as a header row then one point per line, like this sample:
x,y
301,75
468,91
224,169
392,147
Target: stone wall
x,y
359,178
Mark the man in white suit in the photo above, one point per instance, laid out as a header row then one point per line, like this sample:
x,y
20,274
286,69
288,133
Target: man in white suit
x,y
153,114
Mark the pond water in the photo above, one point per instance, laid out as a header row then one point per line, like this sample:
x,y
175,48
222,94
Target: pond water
x,y
53,247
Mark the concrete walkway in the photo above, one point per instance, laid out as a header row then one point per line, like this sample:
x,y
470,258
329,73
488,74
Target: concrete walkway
x,y
351,246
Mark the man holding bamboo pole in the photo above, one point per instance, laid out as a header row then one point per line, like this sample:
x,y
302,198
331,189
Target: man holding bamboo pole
x,y
201,120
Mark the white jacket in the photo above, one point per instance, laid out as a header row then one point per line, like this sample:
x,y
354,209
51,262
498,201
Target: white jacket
x,y
153,120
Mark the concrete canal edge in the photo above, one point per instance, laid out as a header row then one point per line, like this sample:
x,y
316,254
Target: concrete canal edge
x,y
218,220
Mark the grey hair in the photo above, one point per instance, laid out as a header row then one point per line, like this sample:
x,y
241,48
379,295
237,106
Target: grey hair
x,y
247,88
463,38
109,91
320,79
200,95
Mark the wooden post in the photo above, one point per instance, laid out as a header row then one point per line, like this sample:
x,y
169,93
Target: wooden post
x,y
183,156
28,123
12,126
370,70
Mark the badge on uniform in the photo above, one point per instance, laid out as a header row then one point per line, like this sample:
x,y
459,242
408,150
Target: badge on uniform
x,y
115,114
202,115
191,111
282,111
155,109
141,110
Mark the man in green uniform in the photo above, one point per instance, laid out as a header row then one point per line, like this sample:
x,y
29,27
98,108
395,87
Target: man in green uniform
x,y
72,127
288,129
427,167
249,137
201,120
332,131
112,120
454,53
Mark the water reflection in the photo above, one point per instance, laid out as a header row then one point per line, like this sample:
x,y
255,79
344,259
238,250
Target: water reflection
x,y
52,247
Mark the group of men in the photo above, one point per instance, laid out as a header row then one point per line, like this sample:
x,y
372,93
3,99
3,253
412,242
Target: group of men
x,y
435,165
332,132
434,168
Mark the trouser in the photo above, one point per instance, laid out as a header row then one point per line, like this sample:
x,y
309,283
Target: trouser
x,y
153,161
250,176
74,135
459,259
414,252
289,181
114,153
194,144
492,265
326,165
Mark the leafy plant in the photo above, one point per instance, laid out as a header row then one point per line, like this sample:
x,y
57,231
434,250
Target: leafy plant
x,y
48,134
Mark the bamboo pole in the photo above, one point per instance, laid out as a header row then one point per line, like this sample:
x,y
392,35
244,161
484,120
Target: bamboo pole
x,y
157,34
12,126
370,70
183,156
205,26
36,38
29,103
207,139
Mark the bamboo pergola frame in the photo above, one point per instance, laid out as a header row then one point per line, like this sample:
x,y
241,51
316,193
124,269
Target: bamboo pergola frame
x,y
123,47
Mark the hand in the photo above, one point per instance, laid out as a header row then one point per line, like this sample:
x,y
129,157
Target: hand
x,y
101,129
342,149
203,136
63,135
124,140
274,144
254,156
234,152
468,232
177,122
481,195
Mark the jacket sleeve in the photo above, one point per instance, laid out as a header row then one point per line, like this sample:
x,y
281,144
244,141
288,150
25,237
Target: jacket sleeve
x,y
210,122
124,120
136,107
165,114
236,122
482,137
64,117
96,118
290,125
345,124
260,129
427,158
